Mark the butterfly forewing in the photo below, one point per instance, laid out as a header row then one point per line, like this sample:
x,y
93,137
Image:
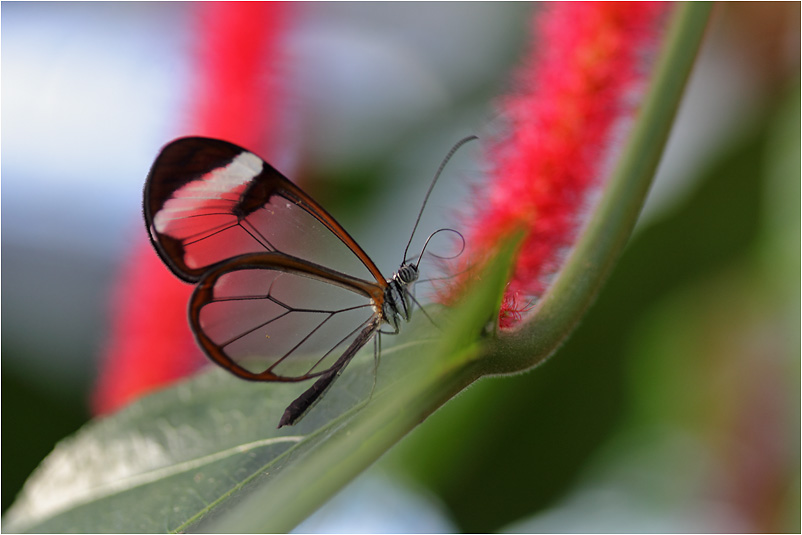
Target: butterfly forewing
x,y
207,201
263,321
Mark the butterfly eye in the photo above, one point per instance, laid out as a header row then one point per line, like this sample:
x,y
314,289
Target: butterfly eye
x,y
408,273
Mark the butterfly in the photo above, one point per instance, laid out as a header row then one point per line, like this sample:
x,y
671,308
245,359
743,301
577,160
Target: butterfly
x,y
283,293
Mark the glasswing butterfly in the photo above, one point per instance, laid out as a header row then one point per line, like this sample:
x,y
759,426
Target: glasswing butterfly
x,y
283,293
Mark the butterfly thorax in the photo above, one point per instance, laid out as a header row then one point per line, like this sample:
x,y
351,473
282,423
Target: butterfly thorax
x,y
397,303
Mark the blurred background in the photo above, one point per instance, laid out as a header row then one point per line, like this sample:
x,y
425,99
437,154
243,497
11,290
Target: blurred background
x,y
674,407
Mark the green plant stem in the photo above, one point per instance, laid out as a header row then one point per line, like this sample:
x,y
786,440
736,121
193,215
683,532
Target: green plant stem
x,y
565,302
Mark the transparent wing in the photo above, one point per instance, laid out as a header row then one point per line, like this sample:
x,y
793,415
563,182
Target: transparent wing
x,y
207,201
271,317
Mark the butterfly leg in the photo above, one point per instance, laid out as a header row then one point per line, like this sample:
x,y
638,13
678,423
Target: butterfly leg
x,y
377,354
307,400
423,310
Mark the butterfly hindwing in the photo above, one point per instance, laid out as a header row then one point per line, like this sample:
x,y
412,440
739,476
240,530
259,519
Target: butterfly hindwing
x,y
271,317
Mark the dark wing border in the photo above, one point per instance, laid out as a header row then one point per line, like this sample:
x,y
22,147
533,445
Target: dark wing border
x,y
185,159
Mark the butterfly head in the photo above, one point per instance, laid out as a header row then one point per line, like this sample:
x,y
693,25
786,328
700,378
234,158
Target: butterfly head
x,y
407,273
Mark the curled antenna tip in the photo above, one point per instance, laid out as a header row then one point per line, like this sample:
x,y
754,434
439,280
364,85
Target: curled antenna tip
x,y
432,235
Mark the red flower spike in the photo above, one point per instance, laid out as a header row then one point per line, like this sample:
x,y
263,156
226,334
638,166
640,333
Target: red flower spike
x,y
237,98
574,88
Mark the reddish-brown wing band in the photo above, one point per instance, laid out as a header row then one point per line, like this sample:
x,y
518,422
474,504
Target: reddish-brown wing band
x,y
283,292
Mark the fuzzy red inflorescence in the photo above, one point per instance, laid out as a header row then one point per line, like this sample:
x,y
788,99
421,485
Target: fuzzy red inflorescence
x,y
577,83
236,96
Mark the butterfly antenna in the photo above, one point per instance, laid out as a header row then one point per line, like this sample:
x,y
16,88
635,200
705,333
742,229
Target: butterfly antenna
x,y
454,149
432,235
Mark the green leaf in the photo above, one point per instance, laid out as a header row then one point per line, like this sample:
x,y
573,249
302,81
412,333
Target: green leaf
x,y
205,455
